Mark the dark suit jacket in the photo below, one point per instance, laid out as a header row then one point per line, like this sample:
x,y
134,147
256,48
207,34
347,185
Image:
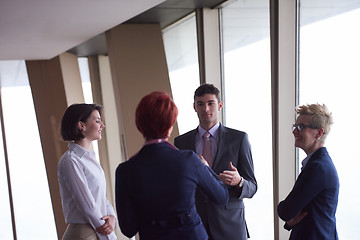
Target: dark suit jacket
x,y
226,221
315,191
155,193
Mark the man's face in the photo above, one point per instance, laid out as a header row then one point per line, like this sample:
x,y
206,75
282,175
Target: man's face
x,y
207,108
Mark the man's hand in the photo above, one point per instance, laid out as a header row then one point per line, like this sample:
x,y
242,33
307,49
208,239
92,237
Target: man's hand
x,y
230,177
295,220
108,226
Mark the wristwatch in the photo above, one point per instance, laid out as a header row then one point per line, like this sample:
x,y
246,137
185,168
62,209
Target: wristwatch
x,y
242,181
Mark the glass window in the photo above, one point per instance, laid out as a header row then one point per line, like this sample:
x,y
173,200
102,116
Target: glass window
x,y
247,82
85,79
5,214
87,92
182,58
30,189
329,74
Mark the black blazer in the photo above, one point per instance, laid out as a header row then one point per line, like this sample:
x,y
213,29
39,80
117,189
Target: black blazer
x,y
226,221
155,193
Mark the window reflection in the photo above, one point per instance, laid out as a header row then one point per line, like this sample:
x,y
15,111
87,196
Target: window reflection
x,y
247,83
329,74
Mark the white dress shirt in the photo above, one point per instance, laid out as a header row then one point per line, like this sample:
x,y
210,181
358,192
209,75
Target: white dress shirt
x,y
83,189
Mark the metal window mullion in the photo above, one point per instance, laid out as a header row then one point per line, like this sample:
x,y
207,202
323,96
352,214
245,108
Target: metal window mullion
x,y
200,44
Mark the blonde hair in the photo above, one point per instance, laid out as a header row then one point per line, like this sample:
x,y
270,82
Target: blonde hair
x,y
320,116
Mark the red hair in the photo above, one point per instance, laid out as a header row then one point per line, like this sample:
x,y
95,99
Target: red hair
x,y
155,114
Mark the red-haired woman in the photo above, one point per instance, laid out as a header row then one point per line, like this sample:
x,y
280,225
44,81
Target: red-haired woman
x,y
155,189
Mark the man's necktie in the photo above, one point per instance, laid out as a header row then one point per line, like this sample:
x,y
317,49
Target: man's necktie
x,y
206,152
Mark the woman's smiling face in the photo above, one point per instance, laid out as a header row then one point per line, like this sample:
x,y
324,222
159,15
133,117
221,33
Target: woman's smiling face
x,y
306,138
93,126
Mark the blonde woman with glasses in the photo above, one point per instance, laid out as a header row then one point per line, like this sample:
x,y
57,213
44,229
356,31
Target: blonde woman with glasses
x,y
309,209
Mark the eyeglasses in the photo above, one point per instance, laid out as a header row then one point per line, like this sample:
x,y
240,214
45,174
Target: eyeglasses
x,y
302,126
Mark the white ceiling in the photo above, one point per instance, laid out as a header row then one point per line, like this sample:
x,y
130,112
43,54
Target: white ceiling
x,y
43,29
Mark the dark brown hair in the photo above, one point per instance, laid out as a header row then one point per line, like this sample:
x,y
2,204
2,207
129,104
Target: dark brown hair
x,y
206,88
72,116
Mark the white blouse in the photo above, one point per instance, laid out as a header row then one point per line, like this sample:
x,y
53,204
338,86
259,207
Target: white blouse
x,y
83,189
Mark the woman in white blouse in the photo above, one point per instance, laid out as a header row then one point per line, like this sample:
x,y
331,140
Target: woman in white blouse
x,y
87,212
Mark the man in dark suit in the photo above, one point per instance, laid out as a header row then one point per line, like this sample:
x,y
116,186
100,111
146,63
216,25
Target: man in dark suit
x,y
230,157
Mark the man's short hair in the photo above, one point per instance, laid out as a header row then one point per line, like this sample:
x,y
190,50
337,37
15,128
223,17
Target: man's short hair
x,y
207,88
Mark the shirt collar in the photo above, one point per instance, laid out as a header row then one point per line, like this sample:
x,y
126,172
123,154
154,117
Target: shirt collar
x,y
213,131
154,141
79,150
304,162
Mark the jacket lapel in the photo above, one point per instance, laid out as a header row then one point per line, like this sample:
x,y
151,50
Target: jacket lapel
x,y
221,145
191,140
